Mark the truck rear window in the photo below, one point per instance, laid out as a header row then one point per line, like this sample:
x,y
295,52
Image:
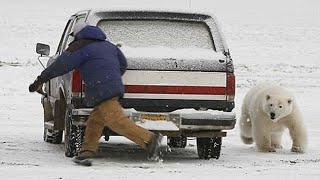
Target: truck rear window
x,y
158,33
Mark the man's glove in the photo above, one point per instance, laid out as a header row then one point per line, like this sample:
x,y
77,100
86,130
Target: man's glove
x,y
36,85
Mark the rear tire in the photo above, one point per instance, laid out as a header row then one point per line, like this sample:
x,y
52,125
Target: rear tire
x,y
177,142
73,136
52,136
209,147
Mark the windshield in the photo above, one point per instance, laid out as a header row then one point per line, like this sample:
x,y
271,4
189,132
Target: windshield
x,y
155,33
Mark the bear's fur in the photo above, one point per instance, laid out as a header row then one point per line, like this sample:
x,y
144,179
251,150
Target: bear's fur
x,y
266,111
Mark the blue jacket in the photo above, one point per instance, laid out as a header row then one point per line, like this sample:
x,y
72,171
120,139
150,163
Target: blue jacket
x,y
101,65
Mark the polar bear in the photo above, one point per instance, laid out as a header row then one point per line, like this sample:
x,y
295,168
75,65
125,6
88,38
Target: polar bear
x,y
265,113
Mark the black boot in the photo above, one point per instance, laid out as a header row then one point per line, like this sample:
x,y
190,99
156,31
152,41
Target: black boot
x,y
84,158
154,148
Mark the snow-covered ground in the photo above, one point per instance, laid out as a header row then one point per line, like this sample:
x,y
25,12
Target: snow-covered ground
x,y
269,40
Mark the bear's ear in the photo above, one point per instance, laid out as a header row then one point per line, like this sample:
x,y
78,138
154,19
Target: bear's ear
x,y
289,101
268,97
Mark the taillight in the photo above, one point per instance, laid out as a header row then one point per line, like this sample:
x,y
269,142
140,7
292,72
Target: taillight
x,y
76,81
231,86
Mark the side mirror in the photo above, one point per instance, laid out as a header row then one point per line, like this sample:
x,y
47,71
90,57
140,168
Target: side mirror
x,y
43,49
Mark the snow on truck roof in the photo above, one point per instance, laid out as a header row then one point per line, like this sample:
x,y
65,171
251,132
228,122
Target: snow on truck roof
x,y
188,14
156,10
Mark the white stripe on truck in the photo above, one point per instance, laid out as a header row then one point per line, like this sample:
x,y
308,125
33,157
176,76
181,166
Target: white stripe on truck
x,y
174,78
174,96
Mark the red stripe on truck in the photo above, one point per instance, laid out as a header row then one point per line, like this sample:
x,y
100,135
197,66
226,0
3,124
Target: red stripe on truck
x,y
154,89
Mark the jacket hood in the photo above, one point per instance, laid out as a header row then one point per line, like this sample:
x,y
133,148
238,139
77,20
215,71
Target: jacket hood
x,y
91,32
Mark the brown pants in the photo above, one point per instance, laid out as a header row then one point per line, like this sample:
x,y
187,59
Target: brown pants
x,y
109,114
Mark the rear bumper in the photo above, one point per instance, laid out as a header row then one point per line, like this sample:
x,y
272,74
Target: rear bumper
x,y
185,120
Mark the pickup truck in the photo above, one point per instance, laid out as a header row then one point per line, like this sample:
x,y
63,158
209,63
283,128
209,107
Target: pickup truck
x,y
180,79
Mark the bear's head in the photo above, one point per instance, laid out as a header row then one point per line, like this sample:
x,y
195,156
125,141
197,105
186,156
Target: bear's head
x,y
277,107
